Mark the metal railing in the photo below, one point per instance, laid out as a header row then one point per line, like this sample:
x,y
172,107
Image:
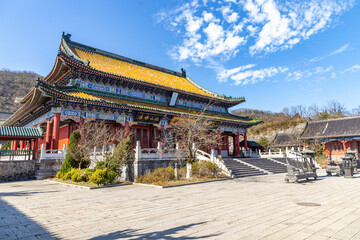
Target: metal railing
x,y
18,155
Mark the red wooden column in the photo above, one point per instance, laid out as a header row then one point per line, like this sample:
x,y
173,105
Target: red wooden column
x,y
344,145
16,145
55,135
22,144
219,142
48,133
245,141
12,145
237,144
127,129
36,146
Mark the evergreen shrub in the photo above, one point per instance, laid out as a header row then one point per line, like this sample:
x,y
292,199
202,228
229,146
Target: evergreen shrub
x,y
99,176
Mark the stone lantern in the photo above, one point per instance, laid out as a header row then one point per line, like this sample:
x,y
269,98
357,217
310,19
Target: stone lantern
x,y
309,154
348,163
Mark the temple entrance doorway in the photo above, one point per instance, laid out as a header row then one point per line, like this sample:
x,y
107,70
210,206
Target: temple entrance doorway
x,y
143,135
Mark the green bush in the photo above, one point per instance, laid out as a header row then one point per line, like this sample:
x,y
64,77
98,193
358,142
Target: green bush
x,y
76,156
81,175
68,175
99,176
6,146
122,156
110,176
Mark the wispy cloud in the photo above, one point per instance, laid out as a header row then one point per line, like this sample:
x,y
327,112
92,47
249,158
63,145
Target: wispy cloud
x,y
221,28
243,75
335,52
353,68
306,74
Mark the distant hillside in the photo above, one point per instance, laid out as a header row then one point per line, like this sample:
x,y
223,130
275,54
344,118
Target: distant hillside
x,y
272,121
14,84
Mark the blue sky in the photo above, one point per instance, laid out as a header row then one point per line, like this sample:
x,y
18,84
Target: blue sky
x,y
275,53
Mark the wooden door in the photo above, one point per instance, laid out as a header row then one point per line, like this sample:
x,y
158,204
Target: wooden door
x,y
142,134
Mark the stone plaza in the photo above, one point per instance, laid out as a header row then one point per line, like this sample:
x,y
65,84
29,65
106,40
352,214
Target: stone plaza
x,y
263,207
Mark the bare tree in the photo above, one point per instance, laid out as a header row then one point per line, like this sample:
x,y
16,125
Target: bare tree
x,y
186,130
313,110
355,111
335,108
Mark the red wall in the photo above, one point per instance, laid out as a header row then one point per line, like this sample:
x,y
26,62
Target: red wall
x,y
64,136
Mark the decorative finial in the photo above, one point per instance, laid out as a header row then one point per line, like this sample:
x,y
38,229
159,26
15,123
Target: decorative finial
x,y
183,72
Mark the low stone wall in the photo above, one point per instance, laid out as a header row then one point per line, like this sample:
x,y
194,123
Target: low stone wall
x,y
17,170
146,166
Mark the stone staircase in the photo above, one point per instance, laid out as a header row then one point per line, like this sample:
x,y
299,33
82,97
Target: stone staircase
x,y
283,160
239,169
266,164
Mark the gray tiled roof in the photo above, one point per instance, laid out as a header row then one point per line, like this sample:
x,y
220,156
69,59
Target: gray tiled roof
x,y
285,140
331,128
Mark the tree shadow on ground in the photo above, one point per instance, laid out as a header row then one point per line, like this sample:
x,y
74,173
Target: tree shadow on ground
x,y
164,234
14,224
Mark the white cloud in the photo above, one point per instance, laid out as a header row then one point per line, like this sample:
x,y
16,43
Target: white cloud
x,y
340,50
215,29
243,76
306,74
335,52
353,68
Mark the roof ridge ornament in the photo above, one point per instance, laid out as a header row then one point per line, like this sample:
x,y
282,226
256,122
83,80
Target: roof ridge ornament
x,y
183,72
66,36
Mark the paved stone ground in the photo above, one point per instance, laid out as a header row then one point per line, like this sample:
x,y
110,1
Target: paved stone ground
x,y
251,208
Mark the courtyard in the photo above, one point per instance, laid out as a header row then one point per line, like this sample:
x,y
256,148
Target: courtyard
x,y
263,207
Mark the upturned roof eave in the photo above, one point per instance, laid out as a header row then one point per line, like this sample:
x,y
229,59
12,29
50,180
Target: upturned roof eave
x,y
29,106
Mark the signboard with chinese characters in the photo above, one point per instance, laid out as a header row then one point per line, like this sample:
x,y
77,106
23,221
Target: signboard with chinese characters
x,y
147,117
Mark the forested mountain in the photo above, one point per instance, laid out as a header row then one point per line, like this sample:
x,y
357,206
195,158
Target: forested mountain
x,y
291,116
14,84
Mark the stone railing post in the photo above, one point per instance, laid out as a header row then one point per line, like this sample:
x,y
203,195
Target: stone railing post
x,y
137,159
212,155
103,153
64,151
159,151
250,152
137,151
94,153
113,149
42,152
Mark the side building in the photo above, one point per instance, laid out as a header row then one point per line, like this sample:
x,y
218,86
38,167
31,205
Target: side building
x,y
336,135
87,84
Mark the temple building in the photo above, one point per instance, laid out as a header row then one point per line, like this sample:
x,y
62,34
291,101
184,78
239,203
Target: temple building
x,y
87,84
335,135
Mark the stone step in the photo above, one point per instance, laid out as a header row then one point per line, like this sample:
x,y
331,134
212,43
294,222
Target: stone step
x,y
239,169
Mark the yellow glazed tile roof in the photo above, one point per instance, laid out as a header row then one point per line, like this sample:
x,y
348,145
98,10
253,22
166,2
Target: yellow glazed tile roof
x,y
122,68
83,95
